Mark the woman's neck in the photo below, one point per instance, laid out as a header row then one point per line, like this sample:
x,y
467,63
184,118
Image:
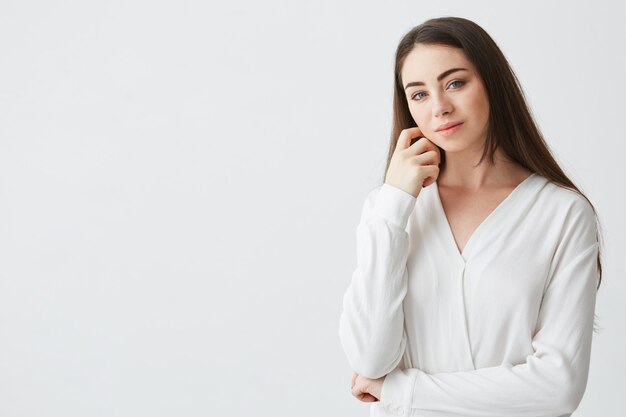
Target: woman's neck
x,y
460,172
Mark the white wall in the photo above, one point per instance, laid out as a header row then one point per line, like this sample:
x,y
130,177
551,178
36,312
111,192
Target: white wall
x,y
180,184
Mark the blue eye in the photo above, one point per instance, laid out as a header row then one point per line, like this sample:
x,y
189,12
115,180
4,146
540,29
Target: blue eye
x,y
413,97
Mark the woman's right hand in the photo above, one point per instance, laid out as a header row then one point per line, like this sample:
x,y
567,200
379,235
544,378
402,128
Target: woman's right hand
x,y
413,167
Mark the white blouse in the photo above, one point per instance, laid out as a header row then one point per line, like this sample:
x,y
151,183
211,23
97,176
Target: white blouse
x,y
502,329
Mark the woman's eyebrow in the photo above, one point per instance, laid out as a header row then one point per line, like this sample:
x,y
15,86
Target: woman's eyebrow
x,y
439,78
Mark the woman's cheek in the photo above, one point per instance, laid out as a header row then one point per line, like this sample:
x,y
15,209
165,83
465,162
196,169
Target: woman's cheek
x,y
417,118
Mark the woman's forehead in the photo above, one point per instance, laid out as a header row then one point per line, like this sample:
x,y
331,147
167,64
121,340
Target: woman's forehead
x,y
428,61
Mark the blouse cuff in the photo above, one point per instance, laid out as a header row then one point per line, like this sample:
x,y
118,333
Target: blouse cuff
x,y
394,205
396,394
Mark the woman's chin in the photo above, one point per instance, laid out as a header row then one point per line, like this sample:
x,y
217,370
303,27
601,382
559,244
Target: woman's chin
x,y
457,144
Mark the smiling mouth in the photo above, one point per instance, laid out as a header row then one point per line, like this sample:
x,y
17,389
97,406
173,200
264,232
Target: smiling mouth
x,y
449,131
450,126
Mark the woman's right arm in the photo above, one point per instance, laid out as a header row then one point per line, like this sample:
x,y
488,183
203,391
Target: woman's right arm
x,y
371,326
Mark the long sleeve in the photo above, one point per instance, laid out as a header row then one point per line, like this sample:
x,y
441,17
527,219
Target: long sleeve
x,y
552,380
371,326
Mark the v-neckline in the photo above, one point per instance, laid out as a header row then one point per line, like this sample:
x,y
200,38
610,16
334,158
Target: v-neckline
x,y
478,230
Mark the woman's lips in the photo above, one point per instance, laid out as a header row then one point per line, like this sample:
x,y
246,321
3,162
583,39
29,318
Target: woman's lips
x,y
450,131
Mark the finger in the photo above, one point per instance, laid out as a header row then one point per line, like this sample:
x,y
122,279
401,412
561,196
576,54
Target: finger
x,y
423,144
432,174
367,398
357,391
404,139
354,375
428,158
427,182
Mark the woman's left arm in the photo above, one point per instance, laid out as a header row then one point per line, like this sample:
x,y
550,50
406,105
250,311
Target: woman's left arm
x,y
553,379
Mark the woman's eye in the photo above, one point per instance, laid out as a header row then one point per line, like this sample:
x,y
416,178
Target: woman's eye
x,y
417,97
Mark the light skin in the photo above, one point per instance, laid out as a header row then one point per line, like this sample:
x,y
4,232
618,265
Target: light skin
x,y
460,96
468,193
366,389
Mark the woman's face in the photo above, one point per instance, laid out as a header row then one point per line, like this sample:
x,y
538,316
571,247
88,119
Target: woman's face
x,y
459,96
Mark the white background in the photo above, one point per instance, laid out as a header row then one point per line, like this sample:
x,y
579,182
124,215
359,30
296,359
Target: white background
x,y
180,185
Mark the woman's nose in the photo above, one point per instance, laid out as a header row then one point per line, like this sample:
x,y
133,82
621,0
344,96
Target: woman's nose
x,y
442,106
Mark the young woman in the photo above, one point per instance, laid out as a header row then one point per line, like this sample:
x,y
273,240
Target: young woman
x,y
478,260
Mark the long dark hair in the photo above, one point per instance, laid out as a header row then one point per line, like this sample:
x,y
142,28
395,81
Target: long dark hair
x,y
511,125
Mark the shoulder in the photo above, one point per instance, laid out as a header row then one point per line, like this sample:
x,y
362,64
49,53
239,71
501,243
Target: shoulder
x,y
567,201
569,212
